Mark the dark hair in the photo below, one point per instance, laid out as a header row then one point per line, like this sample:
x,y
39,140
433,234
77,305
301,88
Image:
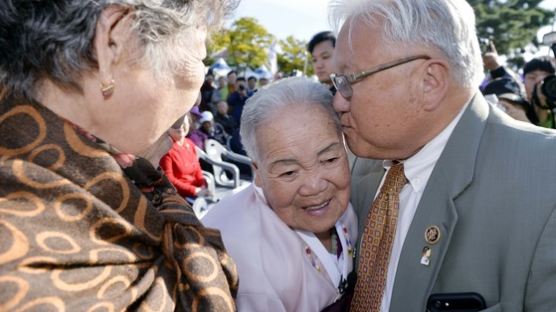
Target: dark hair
x,y
231,72
252,78
501,86
54,39
240,79
545,64
321,37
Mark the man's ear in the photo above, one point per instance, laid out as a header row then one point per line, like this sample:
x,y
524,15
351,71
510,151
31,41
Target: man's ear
x,y
111,36
435,83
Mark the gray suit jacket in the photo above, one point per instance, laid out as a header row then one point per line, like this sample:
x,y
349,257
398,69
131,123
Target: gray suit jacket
x,y
492,193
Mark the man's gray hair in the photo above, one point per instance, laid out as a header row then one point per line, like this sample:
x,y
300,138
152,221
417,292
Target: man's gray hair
x,y
54,39
447,25
276,97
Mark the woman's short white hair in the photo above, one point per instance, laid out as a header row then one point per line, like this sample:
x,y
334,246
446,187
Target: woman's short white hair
x,y
447,25
265,103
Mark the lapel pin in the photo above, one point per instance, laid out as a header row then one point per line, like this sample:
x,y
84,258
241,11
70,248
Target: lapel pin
x,y
432,235
426,256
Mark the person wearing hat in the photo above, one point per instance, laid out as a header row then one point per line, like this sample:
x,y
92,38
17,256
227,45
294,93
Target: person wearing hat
x,y
534,72
195,131
510,99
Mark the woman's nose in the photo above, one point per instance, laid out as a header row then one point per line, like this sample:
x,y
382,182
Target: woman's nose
x,y
313,184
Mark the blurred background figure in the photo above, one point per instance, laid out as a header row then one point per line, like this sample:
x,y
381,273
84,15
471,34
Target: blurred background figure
x,y
321,48
231,78
510,99
181,164
534,73
237,99
251,85
263,82
207,89
221,91
224,119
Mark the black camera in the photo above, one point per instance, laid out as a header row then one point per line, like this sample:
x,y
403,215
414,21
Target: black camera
x,y
548,89
241,87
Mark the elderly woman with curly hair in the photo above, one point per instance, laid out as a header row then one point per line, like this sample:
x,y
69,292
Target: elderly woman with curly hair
x,y
85,224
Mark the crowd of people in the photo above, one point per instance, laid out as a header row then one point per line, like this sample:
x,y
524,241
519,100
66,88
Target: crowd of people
x,y
400,179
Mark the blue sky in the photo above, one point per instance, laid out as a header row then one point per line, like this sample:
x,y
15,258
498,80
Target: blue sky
x,y
300,18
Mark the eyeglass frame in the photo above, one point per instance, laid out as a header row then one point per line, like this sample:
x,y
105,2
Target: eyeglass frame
x,y
358,76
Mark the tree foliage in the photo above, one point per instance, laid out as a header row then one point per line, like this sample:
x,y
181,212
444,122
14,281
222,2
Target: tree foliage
x,y
293,56
246,41
511,24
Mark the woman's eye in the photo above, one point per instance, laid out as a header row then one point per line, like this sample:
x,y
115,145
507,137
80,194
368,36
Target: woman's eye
x,y
287,174
332,160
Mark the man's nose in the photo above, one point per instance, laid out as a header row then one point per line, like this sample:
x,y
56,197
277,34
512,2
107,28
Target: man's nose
x,y
341,105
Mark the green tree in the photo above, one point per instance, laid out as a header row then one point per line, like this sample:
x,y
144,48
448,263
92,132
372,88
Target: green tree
x,y
511,24
293,56
246,41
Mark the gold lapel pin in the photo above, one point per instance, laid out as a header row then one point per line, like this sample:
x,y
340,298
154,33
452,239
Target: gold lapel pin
x,y
432,235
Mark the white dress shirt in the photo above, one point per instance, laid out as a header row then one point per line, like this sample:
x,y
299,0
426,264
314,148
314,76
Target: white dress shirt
x,y
417,169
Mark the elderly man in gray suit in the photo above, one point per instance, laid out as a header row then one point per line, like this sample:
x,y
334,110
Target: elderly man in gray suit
x,y
458,207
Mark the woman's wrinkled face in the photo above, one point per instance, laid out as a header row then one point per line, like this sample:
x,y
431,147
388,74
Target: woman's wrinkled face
x,y
303,169
145,102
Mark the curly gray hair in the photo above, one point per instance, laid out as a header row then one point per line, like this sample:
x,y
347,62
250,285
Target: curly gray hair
x,y
53,39
261,107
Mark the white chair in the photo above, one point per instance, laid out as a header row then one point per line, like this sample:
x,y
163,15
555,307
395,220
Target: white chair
x,y
213,154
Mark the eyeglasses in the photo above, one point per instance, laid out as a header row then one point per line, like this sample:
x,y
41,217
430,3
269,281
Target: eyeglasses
x,y
343,83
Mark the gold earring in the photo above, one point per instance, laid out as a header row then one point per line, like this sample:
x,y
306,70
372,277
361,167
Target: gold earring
x,y
107,89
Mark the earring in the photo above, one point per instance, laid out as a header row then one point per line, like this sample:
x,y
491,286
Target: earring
x,y
107,89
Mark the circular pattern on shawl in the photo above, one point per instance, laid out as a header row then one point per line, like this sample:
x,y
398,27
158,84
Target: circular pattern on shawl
x,y
37,118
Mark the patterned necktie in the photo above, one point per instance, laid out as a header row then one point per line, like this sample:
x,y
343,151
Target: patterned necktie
x,y
376,243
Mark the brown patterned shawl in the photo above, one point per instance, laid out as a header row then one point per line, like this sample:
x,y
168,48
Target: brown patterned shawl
x,y
77,234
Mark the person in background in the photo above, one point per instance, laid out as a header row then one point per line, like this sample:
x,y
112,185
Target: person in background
x,y
494,67
291,231
237,99
221,91
207,89
534,72
510,99
196,134
251,85
321,48
86,224
263,82
231,77
450,192
181,163
224,119
211,129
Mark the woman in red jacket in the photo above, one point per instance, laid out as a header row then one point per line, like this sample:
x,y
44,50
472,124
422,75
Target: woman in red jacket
x,y
181,164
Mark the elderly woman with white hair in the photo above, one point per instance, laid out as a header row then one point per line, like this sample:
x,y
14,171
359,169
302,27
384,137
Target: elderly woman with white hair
x,y
85,224
291,232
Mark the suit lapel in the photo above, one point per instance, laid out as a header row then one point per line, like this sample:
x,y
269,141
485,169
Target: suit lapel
x,y
365,187
453,172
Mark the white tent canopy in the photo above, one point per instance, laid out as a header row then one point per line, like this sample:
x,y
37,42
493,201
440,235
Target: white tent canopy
x,y
220,67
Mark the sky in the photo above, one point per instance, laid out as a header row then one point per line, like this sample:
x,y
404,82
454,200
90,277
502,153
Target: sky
x,y
302,18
